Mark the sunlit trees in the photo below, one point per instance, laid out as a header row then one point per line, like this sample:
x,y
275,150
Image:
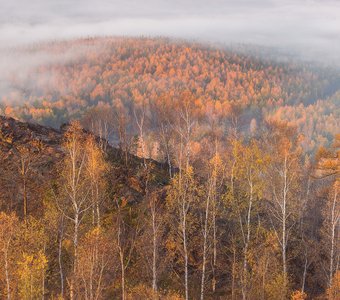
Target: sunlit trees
x,y
329,167
73,197
250,171
32,261
95,258
211,204
284,176
333,292
31,276
96,169
181,200
8,231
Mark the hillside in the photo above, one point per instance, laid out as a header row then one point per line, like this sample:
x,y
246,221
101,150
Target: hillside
x,y
34,153
121,73
75,209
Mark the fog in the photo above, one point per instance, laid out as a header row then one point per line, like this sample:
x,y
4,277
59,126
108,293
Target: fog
x,y
309,29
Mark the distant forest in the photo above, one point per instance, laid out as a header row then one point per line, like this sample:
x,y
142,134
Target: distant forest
x,y
120,74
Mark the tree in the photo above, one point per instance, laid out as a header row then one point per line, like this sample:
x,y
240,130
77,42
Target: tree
x,y
182,195
73,195
126,237
333,292
329,167
8,231
211,206
31,276
284,175
27,158
94,259
32,262
251,166
96,168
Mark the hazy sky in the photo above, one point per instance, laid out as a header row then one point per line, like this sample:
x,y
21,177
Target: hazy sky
x,y
311,27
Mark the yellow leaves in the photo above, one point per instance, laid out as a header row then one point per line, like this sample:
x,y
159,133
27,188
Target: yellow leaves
x,y
274,288
333,291
26,261
29,263
216,161
31,273
251,164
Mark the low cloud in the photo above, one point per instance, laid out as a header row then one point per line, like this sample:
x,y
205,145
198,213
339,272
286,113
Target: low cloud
x,y
309,29
305,25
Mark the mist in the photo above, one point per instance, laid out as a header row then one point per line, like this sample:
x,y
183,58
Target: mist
x,y
309,30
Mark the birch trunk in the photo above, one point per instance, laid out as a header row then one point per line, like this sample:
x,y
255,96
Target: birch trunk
x,y
205,238
335,217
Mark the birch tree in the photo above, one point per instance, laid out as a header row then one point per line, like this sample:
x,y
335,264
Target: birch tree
x,y
251,165
284,175
8,231
180,201
210,217
73,198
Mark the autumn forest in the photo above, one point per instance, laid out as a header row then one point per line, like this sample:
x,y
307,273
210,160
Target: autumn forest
x,y
139,168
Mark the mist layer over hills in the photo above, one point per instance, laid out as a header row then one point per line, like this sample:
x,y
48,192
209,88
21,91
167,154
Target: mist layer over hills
x,y
68,79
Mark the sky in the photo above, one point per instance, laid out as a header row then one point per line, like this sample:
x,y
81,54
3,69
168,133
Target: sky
x,y
308,27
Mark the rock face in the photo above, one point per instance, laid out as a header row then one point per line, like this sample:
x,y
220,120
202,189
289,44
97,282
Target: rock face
x,y
28,143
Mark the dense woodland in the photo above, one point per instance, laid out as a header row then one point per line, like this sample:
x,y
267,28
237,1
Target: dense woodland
x,y
66,79
182,177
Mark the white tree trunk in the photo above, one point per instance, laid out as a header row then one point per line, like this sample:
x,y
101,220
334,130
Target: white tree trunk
x,y
335,217
245,259
8,287
205,241
154,247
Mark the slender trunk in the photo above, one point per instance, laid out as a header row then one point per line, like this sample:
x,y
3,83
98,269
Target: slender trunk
x,y
93,206
169,163
185,252
205,238
154,248
245,259
8,287
121,255
304,274
25,198
214,249
233,272
264,278
60,258
334,222
214,212
284,217
97,205
75,258
121,258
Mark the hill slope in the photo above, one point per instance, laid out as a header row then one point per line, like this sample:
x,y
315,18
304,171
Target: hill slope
x,y
33,153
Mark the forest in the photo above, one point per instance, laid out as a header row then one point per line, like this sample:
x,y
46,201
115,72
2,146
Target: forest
x,y
150,169
66,79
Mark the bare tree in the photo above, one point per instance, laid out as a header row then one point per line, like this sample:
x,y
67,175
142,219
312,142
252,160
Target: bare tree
x,y
73,197
284,175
